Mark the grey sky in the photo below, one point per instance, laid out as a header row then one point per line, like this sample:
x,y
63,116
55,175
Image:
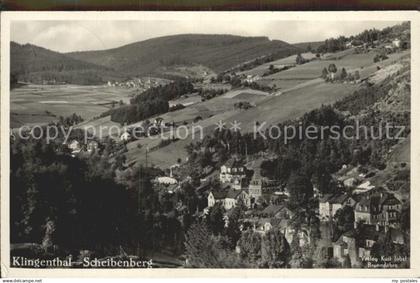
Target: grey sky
x,y
66,36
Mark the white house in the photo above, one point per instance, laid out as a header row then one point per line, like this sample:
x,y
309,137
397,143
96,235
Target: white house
x,y
324,207
166,180
329,204
74,146
231,171
229,198
396,43
364,187
92,146
125,136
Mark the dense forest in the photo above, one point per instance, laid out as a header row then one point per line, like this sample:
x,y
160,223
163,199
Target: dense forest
x,y
367,36
35,64
92,204
217,52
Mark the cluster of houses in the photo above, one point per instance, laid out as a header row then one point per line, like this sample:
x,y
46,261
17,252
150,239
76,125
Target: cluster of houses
x,y
238,187
376,211
142,130
76,147
143,83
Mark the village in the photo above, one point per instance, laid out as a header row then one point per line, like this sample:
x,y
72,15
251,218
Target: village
x,y
370,211
252,201
376,210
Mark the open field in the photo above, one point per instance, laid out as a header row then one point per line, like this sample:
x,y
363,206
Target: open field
x,y
271,109
37,104
300,90
212,111
362,62
290,60
292,102
186,101
214,106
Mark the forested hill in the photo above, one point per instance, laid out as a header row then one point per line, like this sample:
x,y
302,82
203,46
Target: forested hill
x,y
217,52
36,64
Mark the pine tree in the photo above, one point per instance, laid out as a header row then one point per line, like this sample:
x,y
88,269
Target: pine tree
x,y
275,250
343,74
250,246
347,262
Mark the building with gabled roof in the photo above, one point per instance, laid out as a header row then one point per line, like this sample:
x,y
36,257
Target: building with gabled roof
x,y
379,207
228,197
368,235
232,171
329,204
277,211
346,246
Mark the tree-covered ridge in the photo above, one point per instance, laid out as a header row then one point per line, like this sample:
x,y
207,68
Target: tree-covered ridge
x,y
217,52
367,36
40,65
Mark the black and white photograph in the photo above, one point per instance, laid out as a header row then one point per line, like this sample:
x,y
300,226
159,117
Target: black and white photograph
x,y
208,142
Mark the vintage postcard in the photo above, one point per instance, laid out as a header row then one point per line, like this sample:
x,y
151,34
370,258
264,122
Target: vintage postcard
x,y
210,144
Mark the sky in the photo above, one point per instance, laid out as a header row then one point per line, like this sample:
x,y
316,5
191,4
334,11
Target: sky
x,y
69,36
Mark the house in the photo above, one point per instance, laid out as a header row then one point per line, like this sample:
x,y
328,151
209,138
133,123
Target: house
x,y
228,197
380,208
362,212
350,182
232,170
329,204
324,207
346,246
303,235
232,198
215,197
396,43
277,211
125,136
166,180
397,236
364,187
92,146
251,79
263,225
368,236
74,145
339,201
391,211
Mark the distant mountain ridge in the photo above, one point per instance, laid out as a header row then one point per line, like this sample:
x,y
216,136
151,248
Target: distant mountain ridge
x,y
36,64
148,57
217,52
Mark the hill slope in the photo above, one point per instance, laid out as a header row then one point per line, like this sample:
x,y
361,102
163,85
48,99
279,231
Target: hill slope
x,y
313,44
217,52
36,64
